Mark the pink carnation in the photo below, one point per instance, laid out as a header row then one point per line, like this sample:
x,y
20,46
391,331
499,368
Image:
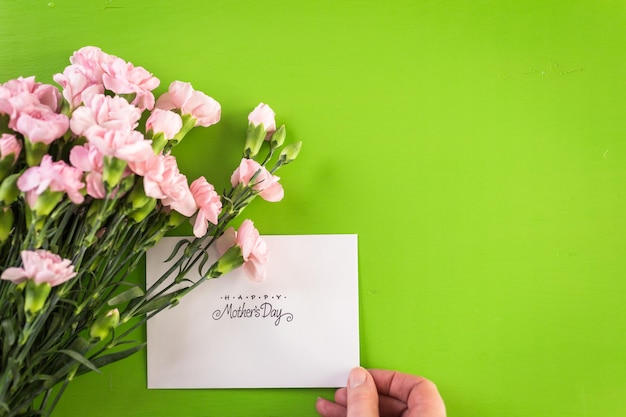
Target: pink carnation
x,y
9,146
5,102
265,183
209,205
198,105
45,94
78,86
263,114
41,266
83,78
127,146
13,105
91,59
253,248
40,124
53,176
163,180
124,78
89,159
104,113
24,95
164,121
178,196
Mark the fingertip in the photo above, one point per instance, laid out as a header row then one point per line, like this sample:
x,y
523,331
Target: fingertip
x,y
341,396
320,405
327,408
357,377
362,398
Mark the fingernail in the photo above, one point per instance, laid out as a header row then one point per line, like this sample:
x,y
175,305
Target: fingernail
x,y
357,377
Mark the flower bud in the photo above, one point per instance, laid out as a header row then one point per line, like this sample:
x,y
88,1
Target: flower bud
x,y
10,149
46,202
35,152
278,138
189,122
8,189
290,152
36,296
6,223
138,215
175,219
102,327
231,260
112,172
254,140
140,204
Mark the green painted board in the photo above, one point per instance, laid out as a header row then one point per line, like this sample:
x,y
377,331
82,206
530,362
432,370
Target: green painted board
x,y
478,149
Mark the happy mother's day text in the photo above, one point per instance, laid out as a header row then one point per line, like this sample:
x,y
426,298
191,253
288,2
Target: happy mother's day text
x,y
261,307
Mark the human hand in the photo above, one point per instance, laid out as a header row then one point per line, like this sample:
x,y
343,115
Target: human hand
x,y
382,393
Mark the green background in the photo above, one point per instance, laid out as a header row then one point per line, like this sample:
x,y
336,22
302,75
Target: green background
x,y
478,149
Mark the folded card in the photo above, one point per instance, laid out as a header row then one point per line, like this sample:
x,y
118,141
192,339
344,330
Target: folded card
x,y
298,328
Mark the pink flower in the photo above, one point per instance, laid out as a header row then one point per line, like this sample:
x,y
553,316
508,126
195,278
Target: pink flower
x,y
263,114
153,172
164,121
253,248
40,124
89,159
24,95
127,146
13,105
53,176
91,59
104,113
5,103
198,105
9,147
83,79
209,205
45,94
265,183
124,78
42,267
78,85
178,196
163,180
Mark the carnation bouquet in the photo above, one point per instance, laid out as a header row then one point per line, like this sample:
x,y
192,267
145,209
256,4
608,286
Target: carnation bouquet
x,y
88,183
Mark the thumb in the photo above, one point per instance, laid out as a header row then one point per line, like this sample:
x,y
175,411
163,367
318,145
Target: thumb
x,y
362,394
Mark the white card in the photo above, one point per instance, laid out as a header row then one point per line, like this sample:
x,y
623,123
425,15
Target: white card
x,y
299,328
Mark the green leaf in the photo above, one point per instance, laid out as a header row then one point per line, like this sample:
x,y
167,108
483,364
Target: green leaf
x,y
179,244
159,302
205,259
125,296
112,357
80,358
9,332
42,377
14,368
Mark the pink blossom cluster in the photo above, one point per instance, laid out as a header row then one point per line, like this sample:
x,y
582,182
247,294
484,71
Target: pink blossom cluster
x,y
92,71
101,132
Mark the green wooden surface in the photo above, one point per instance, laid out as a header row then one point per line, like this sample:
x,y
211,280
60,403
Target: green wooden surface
x,y
478,148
